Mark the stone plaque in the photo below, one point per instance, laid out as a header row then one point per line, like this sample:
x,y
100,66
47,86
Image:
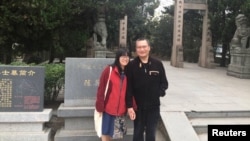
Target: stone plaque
x,y
82,80
21,88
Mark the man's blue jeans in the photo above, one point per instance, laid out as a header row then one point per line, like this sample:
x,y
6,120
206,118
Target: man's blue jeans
x,y
146,121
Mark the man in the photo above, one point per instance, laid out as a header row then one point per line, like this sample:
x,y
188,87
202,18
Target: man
x,y
146,83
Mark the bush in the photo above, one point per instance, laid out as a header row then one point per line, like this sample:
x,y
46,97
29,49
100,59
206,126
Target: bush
x,y
54,80
20,64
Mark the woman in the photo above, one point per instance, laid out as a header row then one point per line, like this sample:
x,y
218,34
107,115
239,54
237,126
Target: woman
x,y
114,103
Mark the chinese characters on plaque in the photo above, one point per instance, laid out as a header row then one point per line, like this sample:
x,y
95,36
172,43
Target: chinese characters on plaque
x,y
123,32
21,88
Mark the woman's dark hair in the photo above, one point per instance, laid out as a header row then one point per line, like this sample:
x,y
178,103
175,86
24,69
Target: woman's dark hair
x,y
120,52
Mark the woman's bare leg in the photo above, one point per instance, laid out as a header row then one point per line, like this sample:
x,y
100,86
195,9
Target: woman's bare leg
x,y
106,138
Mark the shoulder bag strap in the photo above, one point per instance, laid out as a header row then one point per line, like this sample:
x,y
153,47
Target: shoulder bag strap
x,y
107,85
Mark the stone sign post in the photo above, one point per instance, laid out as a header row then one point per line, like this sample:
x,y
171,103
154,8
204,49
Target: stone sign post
x,y
22,113
123,32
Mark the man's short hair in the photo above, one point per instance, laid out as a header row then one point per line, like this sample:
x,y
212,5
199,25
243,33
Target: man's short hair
x,y
142,39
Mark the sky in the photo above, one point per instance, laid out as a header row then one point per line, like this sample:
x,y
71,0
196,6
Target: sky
x,y
162,4
166,2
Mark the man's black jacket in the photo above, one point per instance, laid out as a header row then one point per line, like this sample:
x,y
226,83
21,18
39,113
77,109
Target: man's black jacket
x,y
146,82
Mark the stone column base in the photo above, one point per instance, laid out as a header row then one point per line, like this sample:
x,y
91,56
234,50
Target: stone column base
x,y
240,64
100,53
23,126
239,71
79,124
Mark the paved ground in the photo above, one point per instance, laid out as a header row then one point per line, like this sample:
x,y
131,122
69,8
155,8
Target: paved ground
x,y
194,88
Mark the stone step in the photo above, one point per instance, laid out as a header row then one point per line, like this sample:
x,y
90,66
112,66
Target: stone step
x,y
85,135
202,136
26,136
227,121
214,114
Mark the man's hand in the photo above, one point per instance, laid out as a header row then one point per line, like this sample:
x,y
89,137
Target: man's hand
x,y
131,113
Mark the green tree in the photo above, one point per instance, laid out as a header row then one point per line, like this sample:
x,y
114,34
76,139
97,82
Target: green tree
x,y
135,11
246,8
192,21
192,33
162,36
35,23
61,27
222,15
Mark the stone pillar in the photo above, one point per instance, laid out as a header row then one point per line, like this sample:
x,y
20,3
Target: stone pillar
x,y
206,57
123,32
25,126
177,49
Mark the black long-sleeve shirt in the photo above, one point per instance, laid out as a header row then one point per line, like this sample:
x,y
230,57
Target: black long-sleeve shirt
x,y
146,82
